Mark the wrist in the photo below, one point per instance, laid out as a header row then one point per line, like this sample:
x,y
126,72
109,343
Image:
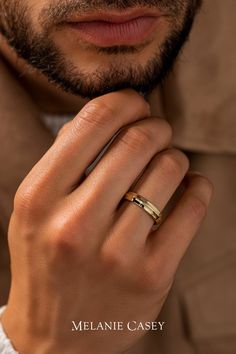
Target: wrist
x,y
22,342
15,332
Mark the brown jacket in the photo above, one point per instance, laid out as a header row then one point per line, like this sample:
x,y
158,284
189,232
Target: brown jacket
x,y
199,100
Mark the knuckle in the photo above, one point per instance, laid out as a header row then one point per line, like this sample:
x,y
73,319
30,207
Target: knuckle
x,y
96,114
27,200
71,229
112,259
174,162
66,237
137,137
153,281
148,281
61,230
197,207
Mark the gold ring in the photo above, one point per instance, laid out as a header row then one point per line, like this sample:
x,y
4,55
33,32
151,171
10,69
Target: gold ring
x,y
145,204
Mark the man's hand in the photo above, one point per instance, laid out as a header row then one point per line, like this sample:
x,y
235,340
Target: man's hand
x,y
79,252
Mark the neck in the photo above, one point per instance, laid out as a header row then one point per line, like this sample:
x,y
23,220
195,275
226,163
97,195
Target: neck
x,y
46,96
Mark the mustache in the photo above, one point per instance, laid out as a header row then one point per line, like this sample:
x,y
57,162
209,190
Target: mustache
x,y
60,10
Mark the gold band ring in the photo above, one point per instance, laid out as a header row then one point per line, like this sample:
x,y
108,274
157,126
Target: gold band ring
x,y
145,204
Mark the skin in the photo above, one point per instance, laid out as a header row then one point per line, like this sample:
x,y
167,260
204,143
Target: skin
x,y
80,252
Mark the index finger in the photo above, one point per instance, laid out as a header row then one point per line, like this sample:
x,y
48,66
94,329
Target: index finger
x,y
66,161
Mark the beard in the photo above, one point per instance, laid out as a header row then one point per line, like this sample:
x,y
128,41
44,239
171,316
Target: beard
x,y
41,53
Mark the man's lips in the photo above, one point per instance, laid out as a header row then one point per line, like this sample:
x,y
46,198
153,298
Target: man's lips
x,y
116,17
109,29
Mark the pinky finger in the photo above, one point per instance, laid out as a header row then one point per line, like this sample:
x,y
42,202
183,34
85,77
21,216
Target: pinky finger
x,y
170,242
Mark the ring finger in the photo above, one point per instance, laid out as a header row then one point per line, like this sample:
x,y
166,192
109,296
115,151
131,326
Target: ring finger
x,y
157,184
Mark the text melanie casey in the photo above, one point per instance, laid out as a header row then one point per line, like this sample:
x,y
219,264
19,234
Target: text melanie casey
x,y
117,326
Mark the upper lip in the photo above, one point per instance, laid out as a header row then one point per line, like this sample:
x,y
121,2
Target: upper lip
x,y
116,17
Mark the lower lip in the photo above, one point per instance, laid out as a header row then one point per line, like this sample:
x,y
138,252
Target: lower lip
x,y
106,34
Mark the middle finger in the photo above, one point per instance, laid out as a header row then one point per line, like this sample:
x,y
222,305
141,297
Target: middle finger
x,y
122,164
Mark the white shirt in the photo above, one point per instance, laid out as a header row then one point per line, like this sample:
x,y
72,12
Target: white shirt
x,y
6,346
